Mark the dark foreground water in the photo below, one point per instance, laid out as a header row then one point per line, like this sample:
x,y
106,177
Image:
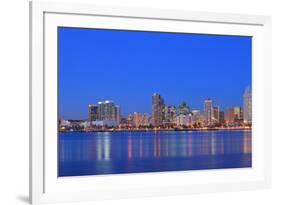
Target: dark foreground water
x,y
133,152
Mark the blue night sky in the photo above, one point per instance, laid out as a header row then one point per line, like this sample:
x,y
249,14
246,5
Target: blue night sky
x,y
129,66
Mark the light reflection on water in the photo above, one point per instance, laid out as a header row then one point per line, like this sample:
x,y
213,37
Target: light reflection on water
x,y
126,152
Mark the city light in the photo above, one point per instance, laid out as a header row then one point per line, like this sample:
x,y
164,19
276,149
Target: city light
x,y
106,115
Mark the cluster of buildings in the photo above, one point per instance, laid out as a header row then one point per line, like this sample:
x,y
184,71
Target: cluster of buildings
x,y
108,115
104,114
212,116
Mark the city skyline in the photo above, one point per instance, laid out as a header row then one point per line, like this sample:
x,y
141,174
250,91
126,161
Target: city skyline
x,y
94,66
246,92
106,115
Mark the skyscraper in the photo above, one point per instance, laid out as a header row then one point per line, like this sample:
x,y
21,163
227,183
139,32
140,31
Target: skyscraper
x,y
117,114
93,112
109,110
101,110
216,114
105,111
170,114
247,105
221,117
208,110
157,109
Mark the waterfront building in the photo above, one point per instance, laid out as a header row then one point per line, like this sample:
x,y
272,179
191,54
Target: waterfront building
x,y
216,114
208,110
65,123
102,123
229,115
157,109
108,110
170,114
101,110
189,119
93,113
195,116
238,113
247,106
105,113
71,125
117,114
146,119
130,120
184,108
234,114
221,117
86,124
182,120
123,120
137,119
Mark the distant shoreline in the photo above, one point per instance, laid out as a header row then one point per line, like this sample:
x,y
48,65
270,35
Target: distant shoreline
x,y
161,130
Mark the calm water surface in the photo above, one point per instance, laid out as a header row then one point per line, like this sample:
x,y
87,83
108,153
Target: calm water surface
x,y
133,152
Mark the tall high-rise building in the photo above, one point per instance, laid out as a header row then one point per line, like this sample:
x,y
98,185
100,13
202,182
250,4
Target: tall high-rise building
x,y
208,110
221,117
93,113
247,105
117,114
109,110
170,114
157,109
216,114
105,111
101,110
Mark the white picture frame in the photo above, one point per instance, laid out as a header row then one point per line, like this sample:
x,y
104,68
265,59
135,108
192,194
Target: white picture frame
x,y
46,187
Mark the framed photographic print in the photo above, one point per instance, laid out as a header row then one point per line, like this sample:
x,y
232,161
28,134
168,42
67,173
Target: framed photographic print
x,y
130,102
